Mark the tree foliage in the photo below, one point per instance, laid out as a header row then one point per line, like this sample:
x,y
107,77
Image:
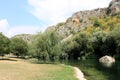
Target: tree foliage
x,y
19,47
4,45
47,47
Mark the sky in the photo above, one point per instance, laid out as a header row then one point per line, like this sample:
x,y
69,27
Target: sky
x,y
32,16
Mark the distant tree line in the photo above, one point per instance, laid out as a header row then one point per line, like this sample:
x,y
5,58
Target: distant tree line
x,y
15,46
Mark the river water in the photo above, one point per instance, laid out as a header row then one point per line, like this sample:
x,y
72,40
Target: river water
x,y
93,70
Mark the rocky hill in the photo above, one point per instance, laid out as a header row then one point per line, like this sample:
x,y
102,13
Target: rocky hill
x,y
83,19
26,37
114,7
79,20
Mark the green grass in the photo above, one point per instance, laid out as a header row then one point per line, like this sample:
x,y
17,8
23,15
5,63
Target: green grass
x,y
18,69
94,71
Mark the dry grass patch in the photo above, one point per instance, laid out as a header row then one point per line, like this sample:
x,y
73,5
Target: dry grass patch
x,y
20,70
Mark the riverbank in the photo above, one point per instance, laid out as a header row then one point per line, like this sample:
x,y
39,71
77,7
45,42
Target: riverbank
x,y
79,74
92,69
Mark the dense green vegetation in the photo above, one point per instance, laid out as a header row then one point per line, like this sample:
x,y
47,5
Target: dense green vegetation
x,y
101,39
100,43
18,47
4,45
46,47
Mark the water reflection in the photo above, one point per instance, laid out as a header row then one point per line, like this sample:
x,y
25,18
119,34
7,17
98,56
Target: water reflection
x,y
93,70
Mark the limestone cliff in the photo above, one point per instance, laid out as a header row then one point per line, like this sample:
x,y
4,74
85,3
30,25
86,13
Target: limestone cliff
x,y
114,7
26,37
82,19
78,21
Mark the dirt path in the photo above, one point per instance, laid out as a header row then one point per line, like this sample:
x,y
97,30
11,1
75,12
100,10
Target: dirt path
x,y
79,74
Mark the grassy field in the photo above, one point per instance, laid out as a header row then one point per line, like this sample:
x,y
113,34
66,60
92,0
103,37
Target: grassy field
x,y
20,70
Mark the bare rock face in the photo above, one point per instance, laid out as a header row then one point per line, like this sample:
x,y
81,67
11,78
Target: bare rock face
x,y
78,21
107,61
26,37
114,7
82,19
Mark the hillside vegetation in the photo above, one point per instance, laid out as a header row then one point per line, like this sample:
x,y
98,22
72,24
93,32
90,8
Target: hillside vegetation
x,y
102,39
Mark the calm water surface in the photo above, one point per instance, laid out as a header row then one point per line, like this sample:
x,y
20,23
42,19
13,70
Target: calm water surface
x,y
93,70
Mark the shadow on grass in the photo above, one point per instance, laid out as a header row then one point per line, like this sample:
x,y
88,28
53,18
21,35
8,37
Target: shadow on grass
x,y
17,57
40,62
36,61
7,59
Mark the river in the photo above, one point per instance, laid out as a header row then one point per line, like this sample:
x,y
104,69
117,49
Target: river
x,y
93,70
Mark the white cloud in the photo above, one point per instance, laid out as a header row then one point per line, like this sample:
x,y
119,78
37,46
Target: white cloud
x,y
3,25
22,30
11,31
54,11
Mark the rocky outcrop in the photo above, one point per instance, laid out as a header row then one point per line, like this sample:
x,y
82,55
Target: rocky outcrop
x,y
79,20
26,37
85,17
107,61
114,7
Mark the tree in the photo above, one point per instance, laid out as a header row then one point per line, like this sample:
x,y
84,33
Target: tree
x,y
98,42
47,46
77,47
4,45
19,47
116,36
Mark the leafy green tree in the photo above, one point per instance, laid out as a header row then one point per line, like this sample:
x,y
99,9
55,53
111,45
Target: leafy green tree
x,y
4,45
77,46
98,42
103,43
47,47
116,36
111,44
19,47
